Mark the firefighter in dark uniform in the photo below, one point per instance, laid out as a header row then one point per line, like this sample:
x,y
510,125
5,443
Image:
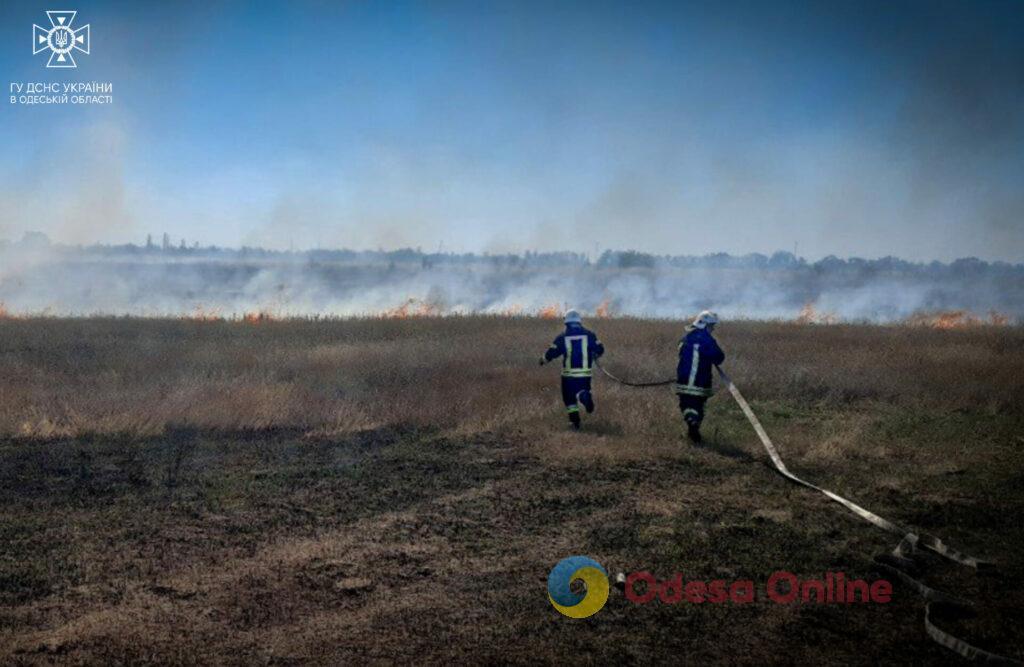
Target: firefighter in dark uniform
x,y
698,352
579,349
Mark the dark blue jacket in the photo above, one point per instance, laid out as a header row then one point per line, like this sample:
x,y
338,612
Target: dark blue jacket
x,y
698,352
579,348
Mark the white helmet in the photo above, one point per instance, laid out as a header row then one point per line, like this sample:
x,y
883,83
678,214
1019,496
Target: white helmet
x,y
705,319
572,316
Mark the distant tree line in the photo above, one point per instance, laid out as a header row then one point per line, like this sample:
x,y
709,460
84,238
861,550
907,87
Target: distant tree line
x,y
609,259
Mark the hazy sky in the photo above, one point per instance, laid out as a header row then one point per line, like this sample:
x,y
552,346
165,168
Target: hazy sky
x,y
848,128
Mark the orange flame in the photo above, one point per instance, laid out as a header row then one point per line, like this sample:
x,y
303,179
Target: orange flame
x,y
810,315
413,308
257,317
957,319
6,314
604,309
551,311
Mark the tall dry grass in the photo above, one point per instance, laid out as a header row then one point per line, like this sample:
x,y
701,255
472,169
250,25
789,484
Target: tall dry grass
x,y
75,376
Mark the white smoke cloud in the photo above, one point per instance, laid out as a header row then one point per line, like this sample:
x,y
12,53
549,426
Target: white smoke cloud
x,y
67,281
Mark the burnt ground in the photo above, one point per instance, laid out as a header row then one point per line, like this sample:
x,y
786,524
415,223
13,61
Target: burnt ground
x,y
429,537
406,544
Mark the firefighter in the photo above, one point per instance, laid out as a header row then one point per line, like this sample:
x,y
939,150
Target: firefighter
x,y
698,352
579,349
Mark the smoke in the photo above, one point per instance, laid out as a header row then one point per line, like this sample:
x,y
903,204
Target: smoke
x,y
129,280
73,187
960,133
866,128
870,128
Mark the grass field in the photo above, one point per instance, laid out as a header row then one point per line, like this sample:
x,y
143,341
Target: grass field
x,y
397,490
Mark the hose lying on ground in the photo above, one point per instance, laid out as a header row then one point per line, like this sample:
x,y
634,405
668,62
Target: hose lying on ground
x,y
903,552
910,543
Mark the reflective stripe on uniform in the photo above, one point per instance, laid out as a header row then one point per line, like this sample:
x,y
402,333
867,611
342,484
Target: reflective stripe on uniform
x,y
568,370
694,361
691,390
569,340
572,408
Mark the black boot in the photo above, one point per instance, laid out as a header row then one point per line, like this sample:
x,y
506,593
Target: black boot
x,y
574,420
693,432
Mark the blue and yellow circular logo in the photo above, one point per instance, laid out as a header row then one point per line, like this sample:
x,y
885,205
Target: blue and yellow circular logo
x,y
577,605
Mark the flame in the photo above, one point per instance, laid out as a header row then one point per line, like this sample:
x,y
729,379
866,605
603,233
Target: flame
x,y
6,314
947,319
257,317
957,319
552,311
810,315
954,319
604,309
413,308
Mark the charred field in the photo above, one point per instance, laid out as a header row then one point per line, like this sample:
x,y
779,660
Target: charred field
x,y
300,491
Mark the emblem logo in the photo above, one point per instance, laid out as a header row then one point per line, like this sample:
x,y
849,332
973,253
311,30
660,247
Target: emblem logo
x,y
61,39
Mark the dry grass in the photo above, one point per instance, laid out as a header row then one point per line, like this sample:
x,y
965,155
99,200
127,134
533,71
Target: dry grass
x,y
68,377
298,491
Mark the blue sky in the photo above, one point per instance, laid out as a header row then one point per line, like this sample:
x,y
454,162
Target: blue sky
x,y
848,128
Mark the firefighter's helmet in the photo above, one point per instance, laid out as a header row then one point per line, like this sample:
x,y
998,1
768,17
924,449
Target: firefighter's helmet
x,y
705,319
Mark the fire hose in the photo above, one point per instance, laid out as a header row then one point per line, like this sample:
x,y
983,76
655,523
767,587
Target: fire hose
x,y
910,543
656,383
